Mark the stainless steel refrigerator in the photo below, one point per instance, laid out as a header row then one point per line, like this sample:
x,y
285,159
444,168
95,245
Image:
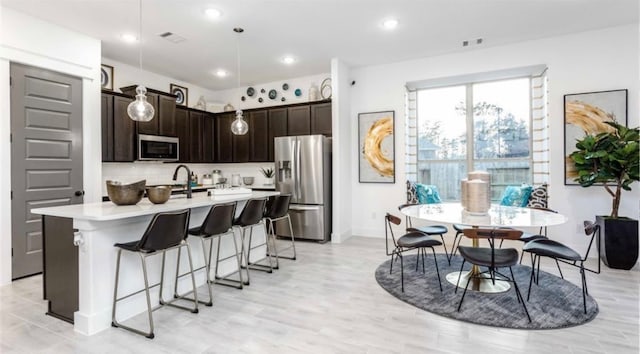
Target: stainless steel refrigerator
x,y
303,169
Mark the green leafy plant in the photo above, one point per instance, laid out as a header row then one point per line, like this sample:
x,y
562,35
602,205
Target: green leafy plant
x,y
268,173
610,158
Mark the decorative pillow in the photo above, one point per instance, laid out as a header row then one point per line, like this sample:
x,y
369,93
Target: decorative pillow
x,y
539,197
412,198
427,194
516,196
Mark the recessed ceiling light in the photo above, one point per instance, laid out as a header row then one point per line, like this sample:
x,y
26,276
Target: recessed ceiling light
x,y
390,23
288,60
129,38
221,73
213,13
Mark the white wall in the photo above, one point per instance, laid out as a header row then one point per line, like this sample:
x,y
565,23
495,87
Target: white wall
x,y
127,75
342,146
26,40
584,62
303,83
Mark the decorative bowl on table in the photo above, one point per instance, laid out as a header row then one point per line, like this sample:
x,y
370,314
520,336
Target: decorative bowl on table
x,y
125,194
247,181
158,194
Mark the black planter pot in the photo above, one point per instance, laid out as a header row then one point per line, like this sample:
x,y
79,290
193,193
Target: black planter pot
x,y
618,242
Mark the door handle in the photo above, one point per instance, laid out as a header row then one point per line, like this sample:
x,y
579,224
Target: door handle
x,y
79,193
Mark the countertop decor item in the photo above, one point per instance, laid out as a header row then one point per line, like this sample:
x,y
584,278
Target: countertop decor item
x,y
251,91
125,194
181,93
247,181
273,94
158,194
140,110
267,172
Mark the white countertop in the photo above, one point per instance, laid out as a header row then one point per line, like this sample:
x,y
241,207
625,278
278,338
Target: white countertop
x,y
108,211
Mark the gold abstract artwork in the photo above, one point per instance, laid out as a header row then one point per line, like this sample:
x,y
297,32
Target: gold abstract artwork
x,y
372,149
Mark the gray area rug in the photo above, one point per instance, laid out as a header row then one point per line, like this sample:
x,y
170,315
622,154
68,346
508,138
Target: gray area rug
x,y
554,303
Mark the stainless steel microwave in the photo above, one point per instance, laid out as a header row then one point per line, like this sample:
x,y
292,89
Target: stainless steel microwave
x,y
157,148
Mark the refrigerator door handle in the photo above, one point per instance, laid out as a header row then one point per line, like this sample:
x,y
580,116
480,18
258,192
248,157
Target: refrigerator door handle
x,y
304,208
299,169
293,170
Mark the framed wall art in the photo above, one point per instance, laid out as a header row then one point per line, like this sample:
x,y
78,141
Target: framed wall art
x,y
106,76
585,113
376,145
181,93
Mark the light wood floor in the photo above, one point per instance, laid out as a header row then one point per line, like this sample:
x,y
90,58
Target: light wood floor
x,y
327,301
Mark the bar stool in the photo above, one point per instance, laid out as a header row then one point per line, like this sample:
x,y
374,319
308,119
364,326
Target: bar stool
x,y
250,217
165,232
278,209
218,223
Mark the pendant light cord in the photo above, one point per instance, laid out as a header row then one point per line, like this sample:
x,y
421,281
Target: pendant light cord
x,y
140,33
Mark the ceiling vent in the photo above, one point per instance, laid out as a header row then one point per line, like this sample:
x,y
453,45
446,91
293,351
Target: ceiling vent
x,y
172,37
473,42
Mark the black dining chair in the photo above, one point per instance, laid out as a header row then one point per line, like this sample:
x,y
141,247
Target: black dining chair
x,y
165,232
492,258
409,241
431,230
562,253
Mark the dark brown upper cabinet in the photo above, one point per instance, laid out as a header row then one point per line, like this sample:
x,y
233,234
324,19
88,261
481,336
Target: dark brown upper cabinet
x,y
182,128
164,120
258,136
223,142
118,130
196,147
299,120
208,137
321,118
277,127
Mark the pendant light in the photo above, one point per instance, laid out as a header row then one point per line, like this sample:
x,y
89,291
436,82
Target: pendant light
x,y
140,110
239,125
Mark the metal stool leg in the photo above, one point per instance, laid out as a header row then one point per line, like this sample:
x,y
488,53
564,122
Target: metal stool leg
x,y
256,265
224,280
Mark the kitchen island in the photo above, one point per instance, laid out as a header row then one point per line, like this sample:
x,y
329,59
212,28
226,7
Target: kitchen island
x,y
98,226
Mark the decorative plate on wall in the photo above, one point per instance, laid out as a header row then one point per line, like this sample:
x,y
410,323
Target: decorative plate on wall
x,y
285,86
283,99
181,93
251,91
298,92
260,100
106,77
243,98
262,91
273,94
325,88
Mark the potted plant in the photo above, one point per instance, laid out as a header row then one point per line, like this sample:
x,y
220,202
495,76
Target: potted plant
x,y
611,159
268,174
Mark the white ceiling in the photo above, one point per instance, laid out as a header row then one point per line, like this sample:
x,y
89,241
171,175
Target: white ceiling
x,y
314,31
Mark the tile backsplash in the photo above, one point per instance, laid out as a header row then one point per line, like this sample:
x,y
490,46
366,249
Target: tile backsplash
x,y
161,173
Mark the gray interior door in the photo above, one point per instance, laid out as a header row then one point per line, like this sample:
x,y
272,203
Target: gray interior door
x,y
46,156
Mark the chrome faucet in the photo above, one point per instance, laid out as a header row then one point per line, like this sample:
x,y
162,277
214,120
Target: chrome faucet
x,y
175,177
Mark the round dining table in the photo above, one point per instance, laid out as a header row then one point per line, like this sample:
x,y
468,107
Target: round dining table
x,y
498,216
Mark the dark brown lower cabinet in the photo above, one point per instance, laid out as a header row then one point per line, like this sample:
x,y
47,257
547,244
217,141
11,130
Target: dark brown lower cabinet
x,y
60,271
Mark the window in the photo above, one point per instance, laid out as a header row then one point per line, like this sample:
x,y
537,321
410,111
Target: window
x,y
476,126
